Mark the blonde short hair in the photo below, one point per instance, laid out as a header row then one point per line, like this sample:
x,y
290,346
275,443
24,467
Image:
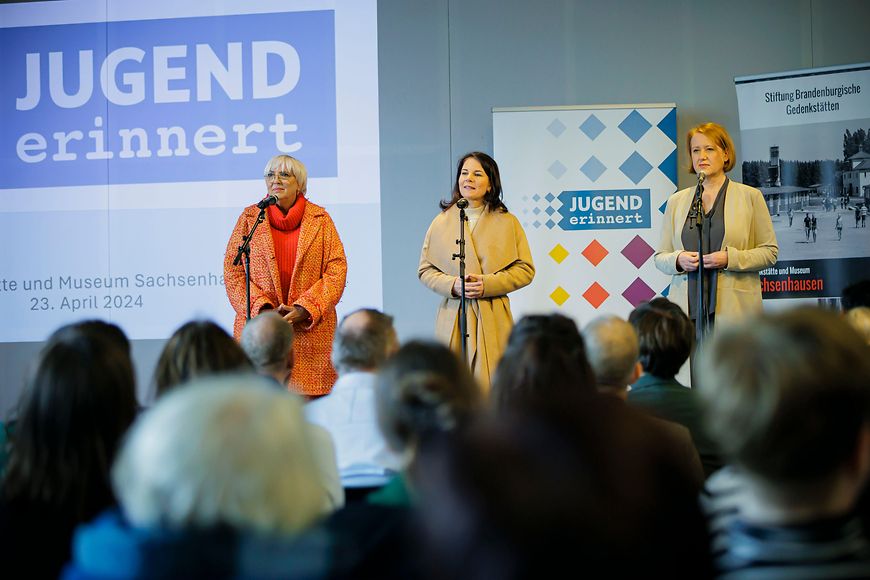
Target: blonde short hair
x,y
719,136
230,451
293,166
859,318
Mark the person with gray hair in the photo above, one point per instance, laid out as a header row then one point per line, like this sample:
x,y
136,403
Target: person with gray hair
x,y
218,479
363,342
267,339
613,350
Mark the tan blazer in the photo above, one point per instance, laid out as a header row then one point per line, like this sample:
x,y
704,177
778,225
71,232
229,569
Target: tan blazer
x,y
498,249
749,240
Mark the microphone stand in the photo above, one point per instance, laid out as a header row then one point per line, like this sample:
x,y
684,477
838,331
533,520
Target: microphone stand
x,y
696,215
245,249
463,318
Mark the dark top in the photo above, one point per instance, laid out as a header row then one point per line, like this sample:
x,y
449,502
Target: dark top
x,y
713,234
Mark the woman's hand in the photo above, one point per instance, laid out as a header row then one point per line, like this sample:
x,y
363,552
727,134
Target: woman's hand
x,y
716,260
473,286
293,314
687,261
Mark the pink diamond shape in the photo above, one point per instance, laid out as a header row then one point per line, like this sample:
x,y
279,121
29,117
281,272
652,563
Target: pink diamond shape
x,y
637,251
638,292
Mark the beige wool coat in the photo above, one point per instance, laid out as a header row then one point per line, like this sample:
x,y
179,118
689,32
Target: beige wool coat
x,y
749,240
498,249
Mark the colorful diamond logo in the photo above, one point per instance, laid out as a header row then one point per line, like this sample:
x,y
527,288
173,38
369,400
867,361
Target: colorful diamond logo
x,y
559,296
559,253
595,252
637,251
638,292
596,295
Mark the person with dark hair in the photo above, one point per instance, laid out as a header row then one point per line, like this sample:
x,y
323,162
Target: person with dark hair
x,y
363,342
557,490
665,336
787,398
76,407
738,237
545,358
857,294
197,348
497,259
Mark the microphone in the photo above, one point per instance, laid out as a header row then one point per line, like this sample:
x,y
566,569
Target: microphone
x,y
462,203
701,177
267,201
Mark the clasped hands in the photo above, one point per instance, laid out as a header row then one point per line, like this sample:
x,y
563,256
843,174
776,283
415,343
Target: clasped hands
x,y
473,286
688,261
293,314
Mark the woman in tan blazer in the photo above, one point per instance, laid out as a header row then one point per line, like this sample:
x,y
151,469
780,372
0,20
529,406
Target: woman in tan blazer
x,y
497,261
742,241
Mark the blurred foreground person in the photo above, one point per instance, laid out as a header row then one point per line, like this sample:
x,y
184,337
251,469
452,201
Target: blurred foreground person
x,y
73,413
216,481
788,401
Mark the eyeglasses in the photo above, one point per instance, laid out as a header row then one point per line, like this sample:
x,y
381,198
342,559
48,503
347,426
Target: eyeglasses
x,y
282,175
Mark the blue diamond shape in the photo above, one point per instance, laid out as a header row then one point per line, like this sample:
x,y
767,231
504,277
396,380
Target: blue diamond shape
x,y
536,211
593,168
550,211
536,197
557,170
666,291
663,207
550,224
536,223
556,128
592,127
669,167
635,126
668,126
635,167
550,197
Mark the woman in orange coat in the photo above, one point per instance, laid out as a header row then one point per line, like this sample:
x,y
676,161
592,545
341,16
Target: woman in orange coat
x,y
298,268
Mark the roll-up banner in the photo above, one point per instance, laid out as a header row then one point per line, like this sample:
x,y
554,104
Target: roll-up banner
x,y
805,141
589,185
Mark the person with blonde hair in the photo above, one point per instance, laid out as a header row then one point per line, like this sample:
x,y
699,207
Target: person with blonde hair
x,y
737,234
298,268
216,480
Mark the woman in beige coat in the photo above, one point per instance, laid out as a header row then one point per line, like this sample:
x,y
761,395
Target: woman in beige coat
x,y
497,261
742,241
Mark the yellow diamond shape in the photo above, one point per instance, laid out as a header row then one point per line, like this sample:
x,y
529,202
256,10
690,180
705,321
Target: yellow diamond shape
x,y
558,253
559,296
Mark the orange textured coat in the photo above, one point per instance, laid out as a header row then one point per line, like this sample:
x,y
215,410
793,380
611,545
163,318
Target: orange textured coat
x,y
317,285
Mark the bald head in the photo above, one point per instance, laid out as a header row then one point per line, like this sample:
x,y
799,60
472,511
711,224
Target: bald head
x,y
363,341
612,349
267,339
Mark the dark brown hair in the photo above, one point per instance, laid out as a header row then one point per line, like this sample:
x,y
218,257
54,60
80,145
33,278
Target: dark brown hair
x,y
492,200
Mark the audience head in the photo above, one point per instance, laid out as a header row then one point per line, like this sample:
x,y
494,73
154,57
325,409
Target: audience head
x,y
531,493
363,341
198,348
229,450
859,318
857,294
612,348
267,339
77,405
423,390
665,336
787,395
545,358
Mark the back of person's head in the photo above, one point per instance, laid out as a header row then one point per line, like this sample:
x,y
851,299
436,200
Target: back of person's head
x,y
363,341
612,348
859,318
857,294
665,336
229,450
424,389
787,394
77,405
533,492
545,358
267,339
198,348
